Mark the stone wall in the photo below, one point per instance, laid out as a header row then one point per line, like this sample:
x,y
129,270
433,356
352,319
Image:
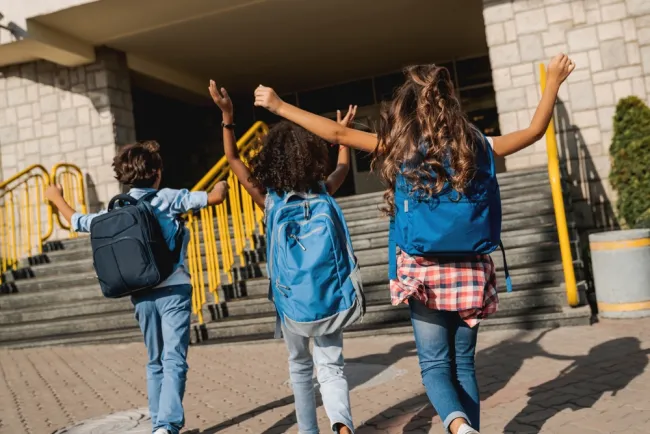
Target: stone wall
x,y
50,114
610,43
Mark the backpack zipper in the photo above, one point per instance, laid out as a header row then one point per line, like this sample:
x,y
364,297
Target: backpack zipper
x,y
295,237
279,230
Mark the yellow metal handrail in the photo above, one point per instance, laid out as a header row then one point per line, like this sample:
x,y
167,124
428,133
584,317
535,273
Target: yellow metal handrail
x,y
22,202
558,203
239,211
71,180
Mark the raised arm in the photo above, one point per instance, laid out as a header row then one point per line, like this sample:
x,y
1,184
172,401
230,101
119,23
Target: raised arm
x,y
558,71
223,101
326,128
55,196
337,177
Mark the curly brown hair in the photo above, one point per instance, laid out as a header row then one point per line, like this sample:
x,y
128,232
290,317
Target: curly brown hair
x,y
138,165
289,159
419,130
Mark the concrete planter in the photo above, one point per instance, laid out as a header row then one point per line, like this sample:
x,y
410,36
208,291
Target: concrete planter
x,y
621,267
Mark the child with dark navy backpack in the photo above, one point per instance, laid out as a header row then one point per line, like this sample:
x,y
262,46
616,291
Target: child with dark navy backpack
x,y
443,198
146,260
314,276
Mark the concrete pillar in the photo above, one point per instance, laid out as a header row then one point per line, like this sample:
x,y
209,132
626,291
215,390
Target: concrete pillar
x,y
610,43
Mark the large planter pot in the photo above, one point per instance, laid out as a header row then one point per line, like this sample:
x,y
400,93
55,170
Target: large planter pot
x,y
621,266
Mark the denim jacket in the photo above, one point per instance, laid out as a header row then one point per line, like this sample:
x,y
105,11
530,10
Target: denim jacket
x,y
168,205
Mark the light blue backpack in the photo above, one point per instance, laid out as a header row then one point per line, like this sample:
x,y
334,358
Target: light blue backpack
x,y
314,276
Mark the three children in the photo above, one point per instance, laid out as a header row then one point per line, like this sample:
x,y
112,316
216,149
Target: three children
x,y
426,147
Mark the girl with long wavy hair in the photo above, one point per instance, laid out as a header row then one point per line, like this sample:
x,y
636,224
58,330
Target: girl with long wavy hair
x,y
425,138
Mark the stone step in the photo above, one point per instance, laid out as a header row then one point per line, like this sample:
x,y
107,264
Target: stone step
x,y
53,282
517,302
531,189
98,323
98,305
506,180
526,205
236,329
520,257
522,278
81,338
53,297
563,317
80,262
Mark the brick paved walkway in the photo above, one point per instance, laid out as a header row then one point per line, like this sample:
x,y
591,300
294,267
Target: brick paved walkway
x,y
570,380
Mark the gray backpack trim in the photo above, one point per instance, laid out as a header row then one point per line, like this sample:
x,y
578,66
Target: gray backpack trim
x,y
335,323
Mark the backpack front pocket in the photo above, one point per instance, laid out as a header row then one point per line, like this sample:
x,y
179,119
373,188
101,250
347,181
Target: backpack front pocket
x,y
310,262
124,257
444,226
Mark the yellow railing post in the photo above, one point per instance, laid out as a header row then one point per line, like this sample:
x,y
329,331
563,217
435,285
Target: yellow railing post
x,y
238,212
71,179
558,203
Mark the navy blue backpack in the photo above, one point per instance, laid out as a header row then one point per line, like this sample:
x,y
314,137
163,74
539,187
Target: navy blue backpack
x,y
130,253
315,279
449,224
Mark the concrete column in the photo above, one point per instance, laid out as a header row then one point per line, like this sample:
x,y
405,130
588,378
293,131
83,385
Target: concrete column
x,y
50,114
610,43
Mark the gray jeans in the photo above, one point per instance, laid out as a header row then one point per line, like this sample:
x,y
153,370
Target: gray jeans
x,y
328,358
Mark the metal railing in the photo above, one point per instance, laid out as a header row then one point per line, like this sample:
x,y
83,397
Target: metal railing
x,y
26,217
214,223
71,179
555,178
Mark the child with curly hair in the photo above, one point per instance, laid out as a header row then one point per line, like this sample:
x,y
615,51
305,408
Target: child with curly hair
x,y
293,160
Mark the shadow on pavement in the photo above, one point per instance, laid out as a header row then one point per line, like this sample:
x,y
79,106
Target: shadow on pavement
x,y
495,367
609,367
385,360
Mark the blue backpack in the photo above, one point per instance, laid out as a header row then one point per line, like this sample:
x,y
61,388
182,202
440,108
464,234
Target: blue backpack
x,y
449,224
314,276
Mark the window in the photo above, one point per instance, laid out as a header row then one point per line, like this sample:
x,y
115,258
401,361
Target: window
x,y
386,85
473,72
330,99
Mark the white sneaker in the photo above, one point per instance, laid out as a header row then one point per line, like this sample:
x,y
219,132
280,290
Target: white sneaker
x,y
161,431
466,429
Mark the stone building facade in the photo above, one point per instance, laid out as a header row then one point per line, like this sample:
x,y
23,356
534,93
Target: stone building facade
x,y
610,43
50,114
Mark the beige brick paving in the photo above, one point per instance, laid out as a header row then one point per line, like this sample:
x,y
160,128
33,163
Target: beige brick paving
x,y
569,380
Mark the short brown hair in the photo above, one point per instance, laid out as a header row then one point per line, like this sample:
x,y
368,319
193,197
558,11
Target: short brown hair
x,y
137,165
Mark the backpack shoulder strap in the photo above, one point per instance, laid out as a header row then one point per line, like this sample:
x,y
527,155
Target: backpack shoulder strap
x,y
148,197
392,251
505,268
122,198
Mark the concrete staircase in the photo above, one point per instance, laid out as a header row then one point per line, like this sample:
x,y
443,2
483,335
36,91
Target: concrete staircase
x,y
62,304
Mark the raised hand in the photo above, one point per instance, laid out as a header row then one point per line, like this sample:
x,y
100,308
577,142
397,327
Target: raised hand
x,y
53,192
267,98
221,99
349,116
560,68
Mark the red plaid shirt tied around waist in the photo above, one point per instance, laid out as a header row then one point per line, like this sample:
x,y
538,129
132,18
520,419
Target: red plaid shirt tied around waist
x,y
466,285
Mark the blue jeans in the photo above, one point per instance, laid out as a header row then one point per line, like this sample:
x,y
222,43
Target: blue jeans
x,y
164,317
328,357
446,347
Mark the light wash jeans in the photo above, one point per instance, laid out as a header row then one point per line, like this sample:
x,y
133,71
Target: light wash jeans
x,y
446,347
328,357
164,317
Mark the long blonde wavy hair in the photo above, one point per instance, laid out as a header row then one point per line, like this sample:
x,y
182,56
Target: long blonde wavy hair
x,y
420,129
